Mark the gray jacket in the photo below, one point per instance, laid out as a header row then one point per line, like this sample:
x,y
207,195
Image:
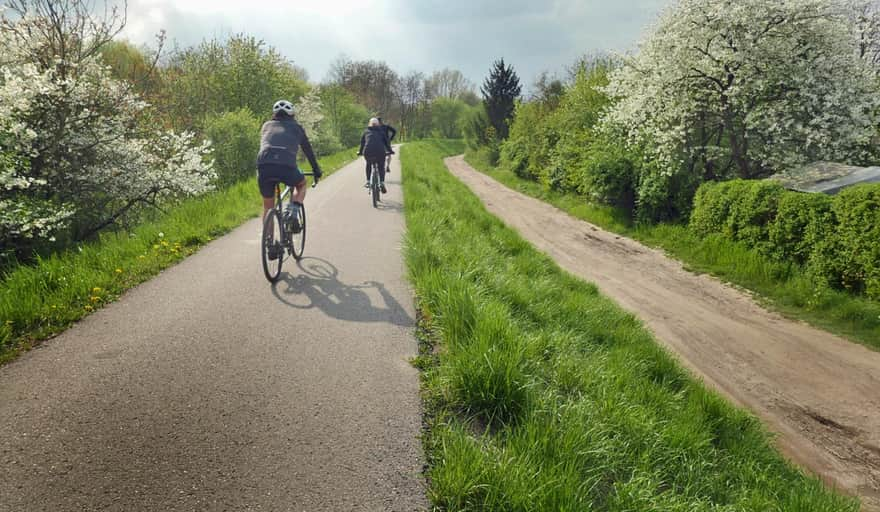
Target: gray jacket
x,y
280,141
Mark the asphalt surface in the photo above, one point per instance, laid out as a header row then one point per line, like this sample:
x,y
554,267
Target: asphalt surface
x,y
209,389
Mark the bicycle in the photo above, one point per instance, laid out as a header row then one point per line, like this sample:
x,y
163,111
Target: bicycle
x,y
374,183
279,235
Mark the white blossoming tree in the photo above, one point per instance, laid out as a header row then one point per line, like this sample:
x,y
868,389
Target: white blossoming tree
x,y
309,114
743,88
75,152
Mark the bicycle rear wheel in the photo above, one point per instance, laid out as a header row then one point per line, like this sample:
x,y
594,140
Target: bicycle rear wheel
x,y
298,240
272,247
374,185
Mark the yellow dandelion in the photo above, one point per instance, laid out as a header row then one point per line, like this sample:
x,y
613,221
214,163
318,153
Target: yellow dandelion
x,y
94,298
88,308
96,290
118,270
155,246
141,257
164,243
54,306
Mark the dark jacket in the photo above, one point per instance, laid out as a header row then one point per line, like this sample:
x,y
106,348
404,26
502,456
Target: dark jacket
x,y
280,140
390,132
374,143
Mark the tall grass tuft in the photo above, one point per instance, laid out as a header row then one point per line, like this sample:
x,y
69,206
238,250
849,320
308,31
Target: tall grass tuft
x,y
544,395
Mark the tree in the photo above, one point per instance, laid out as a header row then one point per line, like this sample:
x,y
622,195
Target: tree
x,y
743,88
500,91
309,113
548,90
865,16
68,130
448,83
412,94
226,75
372,83
344,117
446,115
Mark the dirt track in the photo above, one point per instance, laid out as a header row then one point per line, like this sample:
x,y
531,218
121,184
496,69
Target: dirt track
x,y
819,392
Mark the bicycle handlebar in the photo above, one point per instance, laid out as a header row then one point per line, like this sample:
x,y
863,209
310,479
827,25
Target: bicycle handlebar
x,y
315,179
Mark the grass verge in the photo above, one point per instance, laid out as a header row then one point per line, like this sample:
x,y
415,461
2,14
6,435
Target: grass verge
x,y
786,288
544,395
40,300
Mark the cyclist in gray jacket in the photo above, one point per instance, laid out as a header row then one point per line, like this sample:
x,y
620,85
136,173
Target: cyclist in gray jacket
x,y
280,140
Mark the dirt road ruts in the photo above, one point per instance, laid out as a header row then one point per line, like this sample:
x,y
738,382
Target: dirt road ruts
x,y
819,392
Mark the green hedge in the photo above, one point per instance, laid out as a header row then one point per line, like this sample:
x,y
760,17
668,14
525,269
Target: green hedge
x,y
836,238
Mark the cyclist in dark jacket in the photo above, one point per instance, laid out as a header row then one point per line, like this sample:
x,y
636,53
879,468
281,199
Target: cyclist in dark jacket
x,y
281,138
390,132
374,147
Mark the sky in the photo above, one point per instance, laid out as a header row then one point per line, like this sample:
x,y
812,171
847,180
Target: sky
x,y
410,35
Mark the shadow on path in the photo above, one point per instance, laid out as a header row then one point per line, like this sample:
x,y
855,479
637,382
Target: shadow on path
x,y
319,287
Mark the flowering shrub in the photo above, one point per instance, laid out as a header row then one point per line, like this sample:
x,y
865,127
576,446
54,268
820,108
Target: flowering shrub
x,y
308,114
75,154
741,88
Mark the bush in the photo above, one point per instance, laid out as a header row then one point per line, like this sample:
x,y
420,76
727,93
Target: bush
x,y
529,143
836,239
802,222
609,173
236,140
856,247
752,211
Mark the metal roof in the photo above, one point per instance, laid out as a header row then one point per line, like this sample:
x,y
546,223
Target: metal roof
x,y
826,177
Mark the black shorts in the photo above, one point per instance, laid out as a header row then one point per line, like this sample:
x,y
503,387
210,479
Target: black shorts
x,y
269,175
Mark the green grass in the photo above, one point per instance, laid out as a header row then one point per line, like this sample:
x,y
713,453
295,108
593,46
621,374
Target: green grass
x,y
40,300
541,394
786,288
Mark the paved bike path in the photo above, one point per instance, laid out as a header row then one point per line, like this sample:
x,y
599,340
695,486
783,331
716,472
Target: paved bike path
x,y
208,389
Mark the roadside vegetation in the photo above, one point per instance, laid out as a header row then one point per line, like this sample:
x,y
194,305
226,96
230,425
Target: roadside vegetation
x,y
716,94
43,298
785,286
118,160
544,395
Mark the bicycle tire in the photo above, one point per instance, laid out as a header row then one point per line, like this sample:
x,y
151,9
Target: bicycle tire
x,y
298,240
272,236
374,185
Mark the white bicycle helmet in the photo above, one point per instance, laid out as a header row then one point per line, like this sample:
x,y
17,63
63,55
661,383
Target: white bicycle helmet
x,y
283,106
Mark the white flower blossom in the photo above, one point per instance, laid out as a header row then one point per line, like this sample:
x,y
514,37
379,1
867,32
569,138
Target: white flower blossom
x,y
744,88
71,146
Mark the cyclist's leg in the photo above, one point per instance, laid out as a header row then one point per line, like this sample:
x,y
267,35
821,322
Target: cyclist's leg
x,y
369,168
296,180
299,193
266,182
381,164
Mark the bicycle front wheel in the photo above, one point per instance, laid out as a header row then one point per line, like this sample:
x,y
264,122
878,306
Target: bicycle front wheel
x,y
298,240
272,246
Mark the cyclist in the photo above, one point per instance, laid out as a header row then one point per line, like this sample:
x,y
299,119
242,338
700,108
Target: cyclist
x,y
281,138
390,132
374,147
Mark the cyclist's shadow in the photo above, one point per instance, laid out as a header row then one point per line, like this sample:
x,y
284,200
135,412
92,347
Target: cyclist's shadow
x,y
318,287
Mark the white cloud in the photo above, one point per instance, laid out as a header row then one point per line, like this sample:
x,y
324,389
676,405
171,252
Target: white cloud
x,y
409,35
